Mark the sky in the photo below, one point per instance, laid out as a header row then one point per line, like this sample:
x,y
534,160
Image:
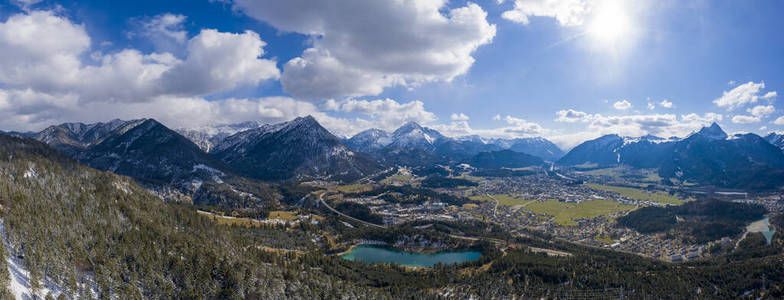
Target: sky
x,y
567,70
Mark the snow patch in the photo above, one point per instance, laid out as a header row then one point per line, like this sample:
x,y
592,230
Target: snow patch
x,y
30,173
207,168
123,186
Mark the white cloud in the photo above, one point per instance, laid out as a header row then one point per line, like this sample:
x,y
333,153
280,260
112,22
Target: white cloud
x,y
741,95
219,61
165,31
48,70
743,119
386,114
497,117
361,47
651,106
666,104
522,127
516,127
28,110
47,53
779,121
769,95
41,50
663,125
458,117
761,111
567,12
570,116
622,105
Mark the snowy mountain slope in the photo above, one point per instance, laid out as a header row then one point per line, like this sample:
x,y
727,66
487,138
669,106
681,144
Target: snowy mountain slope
x,y
67,136
206,137
415,145
776,139
298,148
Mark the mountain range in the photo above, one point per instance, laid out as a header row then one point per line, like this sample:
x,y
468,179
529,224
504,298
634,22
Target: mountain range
x,y
709,157
415,145
194,160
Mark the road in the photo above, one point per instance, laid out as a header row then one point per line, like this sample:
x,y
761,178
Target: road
x,y
366,179
495,209
321,199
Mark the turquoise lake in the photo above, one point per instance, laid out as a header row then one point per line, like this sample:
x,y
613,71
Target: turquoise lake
x,y
762,226
378,254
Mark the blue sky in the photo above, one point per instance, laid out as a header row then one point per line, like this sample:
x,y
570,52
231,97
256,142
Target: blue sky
x,y
568,71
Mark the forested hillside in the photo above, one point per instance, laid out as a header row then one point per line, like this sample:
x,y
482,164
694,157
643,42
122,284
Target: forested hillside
x,y
76,225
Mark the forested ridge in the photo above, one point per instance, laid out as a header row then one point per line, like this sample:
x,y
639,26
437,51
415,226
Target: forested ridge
x,y
74,224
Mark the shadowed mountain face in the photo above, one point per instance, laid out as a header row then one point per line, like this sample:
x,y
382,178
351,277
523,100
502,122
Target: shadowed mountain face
x,y
600,152
298,148
740,161
504,159
153,152
708,157
613,150
536,146
161,159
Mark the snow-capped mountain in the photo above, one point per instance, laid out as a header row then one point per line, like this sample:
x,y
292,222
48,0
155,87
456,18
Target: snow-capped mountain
x,y
369,140
708,156
153,152
713,133
206,137
776,139
298,148
415,145
157,157
68,137
737,161
613,150
413,136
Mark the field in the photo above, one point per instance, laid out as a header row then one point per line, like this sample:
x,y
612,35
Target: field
x,y
621,173
637,194
398,177
503,199
354,188
565,213
224,220
282,215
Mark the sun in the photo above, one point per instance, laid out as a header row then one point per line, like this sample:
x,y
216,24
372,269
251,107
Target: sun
x,y
611,23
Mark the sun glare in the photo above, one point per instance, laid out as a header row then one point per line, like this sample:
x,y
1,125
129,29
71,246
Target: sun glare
x,y
610,24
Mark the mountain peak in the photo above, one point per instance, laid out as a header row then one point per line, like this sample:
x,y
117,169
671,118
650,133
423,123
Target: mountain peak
x,y
408,127
306,120
713,132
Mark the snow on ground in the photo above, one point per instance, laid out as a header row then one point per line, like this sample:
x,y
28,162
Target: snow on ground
x,y
207,168
20,277
30,173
